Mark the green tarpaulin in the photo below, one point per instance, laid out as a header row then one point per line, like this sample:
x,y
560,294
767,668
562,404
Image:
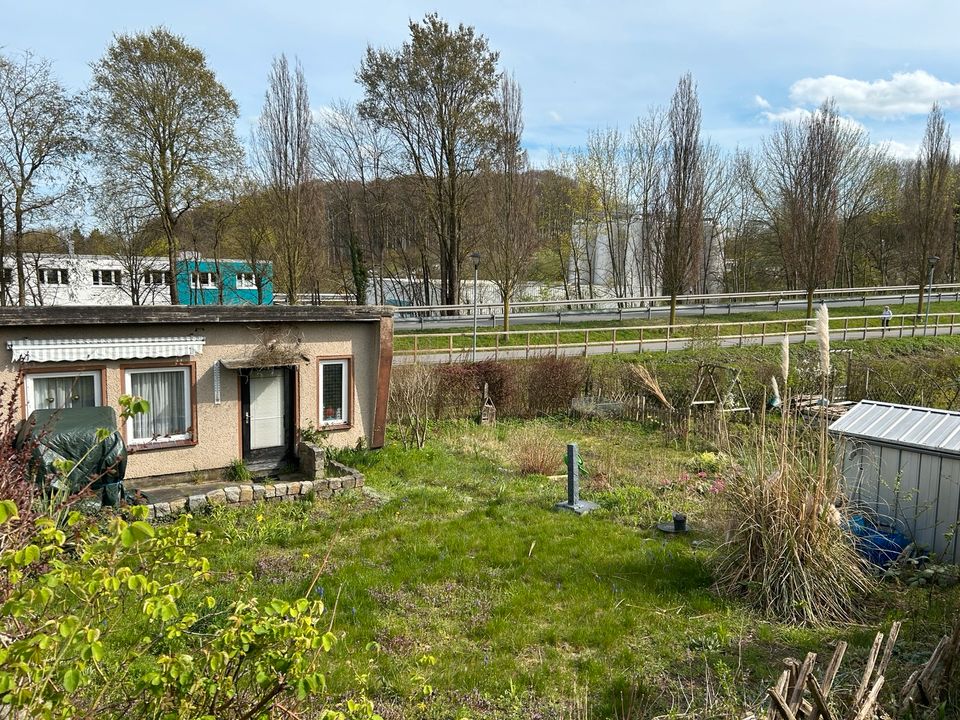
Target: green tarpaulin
x,y
71,434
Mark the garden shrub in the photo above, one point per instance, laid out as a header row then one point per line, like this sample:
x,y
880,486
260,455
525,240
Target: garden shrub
x,y
74,649
536,451
552,384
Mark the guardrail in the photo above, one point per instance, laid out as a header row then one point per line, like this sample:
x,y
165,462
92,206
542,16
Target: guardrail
x,y
517,344
721,299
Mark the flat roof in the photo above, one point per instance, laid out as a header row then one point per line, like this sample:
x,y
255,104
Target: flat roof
x,y
921,428
186,314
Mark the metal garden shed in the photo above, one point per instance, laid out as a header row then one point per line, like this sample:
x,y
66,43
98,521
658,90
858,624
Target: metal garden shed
x,y
903,463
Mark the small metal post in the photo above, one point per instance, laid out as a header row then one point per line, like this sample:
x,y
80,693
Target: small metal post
x,y
475,257
573,475
574,503
932,262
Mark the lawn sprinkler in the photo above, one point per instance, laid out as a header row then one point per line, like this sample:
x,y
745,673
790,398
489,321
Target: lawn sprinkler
x,y
678,525
574,467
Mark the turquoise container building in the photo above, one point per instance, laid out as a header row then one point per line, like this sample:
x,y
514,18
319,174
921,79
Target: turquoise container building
x,y
227,282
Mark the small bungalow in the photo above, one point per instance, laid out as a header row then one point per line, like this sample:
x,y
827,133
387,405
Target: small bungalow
x,y
223,382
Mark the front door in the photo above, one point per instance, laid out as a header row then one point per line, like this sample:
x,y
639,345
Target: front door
x,y
266,398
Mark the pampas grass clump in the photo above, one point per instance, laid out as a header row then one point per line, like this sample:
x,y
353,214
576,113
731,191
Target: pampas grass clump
x,y
787,551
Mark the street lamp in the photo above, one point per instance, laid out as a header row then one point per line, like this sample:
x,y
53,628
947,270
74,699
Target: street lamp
x,y
931,264
475,257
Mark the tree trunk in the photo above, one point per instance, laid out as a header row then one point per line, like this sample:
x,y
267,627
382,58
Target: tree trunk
x,y
920,292
18,249
810,291
506,312
673,307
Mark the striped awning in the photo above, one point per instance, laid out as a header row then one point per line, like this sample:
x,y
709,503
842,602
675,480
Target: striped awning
x,y
67,349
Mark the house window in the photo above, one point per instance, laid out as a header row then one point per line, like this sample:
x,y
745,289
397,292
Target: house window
x,y
169,392
8,276
54,276
156,277
246,281
106,277
334,392
55,391
200,279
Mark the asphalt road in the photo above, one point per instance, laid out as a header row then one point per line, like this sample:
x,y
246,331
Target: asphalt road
x,y
515,353
411,324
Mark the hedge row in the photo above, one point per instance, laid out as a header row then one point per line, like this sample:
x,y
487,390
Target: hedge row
x,y
911,373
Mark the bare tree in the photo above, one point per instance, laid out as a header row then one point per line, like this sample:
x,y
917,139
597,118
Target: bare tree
x,y
927,213
437,96
808,171
649,137
251,236
164,129
684,201
352,154
40,140
508,235
282,152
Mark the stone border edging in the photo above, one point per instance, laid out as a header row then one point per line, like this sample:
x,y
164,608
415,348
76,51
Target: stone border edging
x,y
254,492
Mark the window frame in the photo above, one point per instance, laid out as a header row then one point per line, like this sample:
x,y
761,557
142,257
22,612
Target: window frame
x,y
241,282
116,277
190,404
213,280
346,361
148,278
62,275
30,374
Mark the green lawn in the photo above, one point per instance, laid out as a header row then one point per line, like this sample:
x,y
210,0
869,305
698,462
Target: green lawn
x,y
627,330
453,556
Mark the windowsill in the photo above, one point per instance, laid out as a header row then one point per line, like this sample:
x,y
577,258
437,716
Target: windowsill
x,y
339,425
160,445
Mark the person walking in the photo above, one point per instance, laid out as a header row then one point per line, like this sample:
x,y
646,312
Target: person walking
x,y
885,317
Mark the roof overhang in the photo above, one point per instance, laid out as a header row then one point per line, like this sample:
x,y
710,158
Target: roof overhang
x,y
70,349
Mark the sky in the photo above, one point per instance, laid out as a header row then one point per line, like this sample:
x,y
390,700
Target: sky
x,y
581,65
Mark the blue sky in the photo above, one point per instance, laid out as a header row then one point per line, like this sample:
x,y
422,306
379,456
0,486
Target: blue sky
x,y
581,65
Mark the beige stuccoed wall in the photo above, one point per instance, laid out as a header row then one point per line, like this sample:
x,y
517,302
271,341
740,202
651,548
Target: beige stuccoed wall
x,y
218,426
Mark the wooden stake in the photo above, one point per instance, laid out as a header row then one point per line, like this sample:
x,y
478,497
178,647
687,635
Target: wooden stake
x,y
888,648
867,710
778,701
796,695
820,708
868,670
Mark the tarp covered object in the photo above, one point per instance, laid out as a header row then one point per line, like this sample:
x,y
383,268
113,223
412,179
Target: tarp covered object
x,y
71,434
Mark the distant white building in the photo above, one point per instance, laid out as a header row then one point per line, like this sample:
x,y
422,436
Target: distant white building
x,y
622,258
87,280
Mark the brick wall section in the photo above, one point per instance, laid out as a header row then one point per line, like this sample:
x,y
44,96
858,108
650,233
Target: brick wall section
x,y
256,492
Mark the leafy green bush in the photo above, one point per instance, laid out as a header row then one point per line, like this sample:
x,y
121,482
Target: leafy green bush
x,y
707,462
73,649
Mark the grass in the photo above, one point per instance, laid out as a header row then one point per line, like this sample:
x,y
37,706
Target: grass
x,y
702,328
455,557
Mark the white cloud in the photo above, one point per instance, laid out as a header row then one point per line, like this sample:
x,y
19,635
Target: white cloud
x,y
907,93
792,115
899,150
555,116
761,102
798,114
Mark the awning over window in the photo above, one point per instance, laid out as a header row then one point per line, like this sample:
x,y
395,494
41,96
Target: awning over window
x,y
61,350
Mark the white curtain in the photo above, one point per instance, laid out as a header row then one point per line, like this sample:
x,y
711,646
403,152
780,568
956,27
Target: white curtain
x,y
164,390
54,393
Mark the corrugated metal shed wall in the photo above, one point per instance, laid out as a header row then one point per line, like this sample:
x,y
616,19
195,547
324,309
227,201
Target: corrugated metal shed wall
x,y
903,462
